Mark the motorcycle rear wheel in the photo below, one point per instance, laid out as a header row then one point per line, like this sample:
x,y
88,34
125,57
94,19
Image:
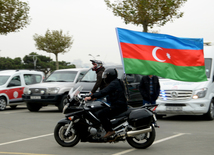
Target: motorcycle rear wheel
x,y
142,141
66,141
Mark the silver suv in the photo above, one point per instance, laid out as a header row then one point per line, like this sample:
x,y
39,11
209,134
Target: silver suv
x,y
132,82
53,90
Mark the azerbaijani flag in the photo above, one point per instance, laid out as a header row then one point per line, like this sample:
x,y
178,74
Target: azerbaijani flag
x,y
162,55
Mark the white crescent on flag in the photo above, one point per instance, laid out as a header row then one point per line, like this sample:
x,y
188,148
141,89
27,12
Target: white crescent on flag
x,y
154,54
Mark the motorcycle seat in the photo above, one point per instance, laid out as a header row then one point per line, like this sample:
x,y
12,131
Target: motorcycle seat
x,y
125,113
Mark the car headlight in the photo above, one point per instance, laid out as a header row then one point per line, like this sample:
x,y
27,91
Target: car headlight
x,y
200,93
26,90
53,90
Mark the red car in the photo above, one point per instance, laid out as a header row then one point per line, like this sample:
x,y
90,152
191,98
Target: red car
x,y
12,84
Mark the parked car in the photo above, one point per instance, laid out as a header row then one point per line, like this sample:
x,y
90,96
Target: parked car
x,y
131,81
53,90
12,84
189,98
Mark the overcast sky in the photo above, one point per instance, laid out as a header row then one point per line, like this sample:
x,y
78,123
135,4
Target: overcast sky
x,y
93,28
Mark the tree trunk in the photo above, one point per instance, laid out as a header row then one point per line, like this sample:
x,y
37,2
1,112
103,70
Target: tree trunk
x,y
57,63
145,28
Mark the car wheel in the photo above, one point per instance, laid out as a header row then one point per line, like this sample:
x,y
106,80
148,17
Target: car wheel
x,y
159,116
63,102
3,103
210,113
33,107
13,106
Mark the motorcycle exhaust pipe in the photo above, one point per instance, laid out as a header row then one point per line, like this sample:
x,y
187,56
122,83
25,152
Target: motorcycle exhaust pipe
x,y
137,132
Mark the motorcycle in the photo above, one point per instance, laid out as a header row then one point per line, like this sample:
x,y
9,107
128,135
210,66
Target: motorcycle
x,y
136,125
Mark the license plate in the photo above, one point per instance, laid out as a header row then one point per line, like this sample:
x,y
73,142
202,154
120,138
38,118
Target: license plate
x,y
174,108
35,97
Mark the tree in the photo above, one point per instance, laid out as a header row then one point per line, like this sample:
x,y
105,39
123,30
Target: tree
x,y
42,62
45,64
146,12
17,62
8,63
13,16
64,65
54,42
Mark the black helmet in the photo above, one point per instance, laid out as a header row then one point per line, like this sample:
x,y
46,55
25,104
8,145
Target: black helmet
x,y
98,63
109,75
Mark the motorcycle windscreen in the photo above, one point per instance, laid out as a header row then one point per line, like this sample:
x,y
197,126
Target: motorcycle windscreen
x,y
73,93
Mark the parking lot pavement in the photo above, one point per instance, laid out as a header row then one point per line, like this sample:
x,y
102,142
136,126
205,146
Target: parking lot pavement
x,y
24,132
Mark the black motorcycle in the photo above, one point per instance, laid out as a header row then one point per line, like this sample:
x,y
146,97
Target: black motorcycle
x,y
136,125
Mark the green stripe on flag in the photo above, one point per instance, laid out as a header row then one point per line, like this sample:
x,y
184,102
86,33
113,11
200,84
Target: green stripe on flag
x,y
165,70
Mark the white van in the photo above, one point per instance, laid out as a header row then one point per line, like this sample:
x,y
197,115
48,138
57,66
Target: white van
x,y
12,84
189,98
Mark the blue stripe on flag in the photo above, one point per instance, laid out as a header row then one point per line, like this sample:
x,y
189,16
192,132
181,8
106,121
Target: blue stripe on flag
x,y
160,40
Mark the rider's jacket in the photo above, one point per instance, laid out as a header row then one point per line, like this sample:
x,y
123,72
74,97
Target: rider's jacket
x,y
99,83
116,93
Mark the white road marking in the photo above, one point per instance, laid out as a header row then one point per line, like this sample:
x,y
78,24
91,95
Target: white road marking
x,y
168,138
158,141
21,140
17,111
120,153
26,110
21,153
124,152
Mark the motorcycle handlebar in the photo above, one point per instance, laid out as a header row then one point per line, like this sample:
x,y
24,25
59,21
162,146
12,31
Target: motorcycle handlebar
x,y
149,106
83,96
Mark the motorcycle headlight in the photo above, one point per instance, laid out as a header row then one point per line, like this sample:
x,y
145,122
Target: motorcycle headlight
x,y
53,90
200,93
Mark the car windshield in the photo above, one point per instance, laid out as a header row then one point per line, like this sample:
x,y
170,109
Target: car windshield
x,y
91,76
3,80
62,76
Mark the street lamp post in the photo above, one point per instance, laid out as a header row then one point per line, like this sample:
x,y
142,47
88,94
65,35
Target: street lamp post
x,y
34,60
93,56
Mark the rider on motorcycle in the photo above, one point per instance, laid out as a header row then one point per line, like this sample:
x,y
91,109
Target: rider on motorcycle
x,y
116,92
99,69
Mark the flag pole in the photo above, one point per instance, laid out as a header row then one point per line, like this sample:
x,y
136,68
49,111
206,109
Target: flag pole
x,y
125,79
118,41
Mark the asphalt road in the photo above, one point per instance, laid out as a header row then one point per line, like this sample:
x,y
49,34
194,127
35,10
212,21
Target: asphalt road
x,y
31,133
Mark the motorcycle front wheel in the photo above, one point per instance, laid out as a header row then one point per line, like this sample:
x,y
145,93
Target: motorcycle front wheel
x,y
70,140
142,141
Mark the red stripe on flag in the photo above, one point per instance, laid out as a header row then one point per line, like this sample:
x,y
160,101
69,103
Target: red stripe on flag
x,y
176,57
